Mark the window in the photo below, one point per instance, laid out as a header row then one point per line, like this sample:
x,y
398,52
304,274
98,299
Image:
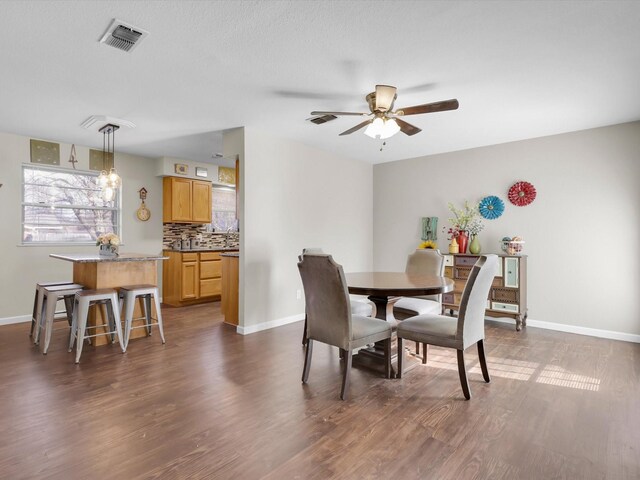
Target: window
x,y
223,211
62,206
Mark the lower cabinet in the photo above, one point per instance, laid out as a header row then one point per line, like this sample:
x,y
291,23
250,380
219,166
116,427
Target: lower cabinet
x,y
508,294
191,277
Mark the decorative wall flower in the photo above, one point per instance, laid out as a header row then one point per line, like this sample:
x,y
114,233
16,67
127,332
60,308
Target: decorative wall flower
x,y
491,207
522,193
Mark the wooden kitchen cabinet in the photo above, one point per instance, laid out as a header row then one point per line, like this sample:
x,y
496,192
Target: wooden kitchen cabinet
x,y
185,200
508,294
191,277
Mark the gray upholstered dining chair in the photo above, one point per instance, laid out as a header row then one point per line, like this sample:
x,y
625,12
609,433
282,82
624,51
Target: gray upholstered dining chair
x,y
423,262
365,308
459,333
329,317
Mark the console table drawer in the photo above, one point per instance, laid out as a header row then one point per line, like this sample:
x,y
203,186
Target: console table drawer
x,y
461,273
506,307
466,261
505,295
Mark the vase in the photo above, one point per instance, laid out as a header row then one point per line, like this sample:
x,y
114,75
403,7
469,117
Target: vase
x,y
463,240
474,246
453,246
108,251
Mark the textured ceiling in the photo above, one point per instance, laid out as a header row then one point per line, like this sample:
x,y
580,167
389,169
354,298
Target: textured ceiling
x,y
519,69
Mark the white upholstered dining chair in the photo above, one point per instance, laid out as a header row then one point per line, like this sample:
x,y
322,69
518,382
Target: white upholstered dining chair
x,y
459,333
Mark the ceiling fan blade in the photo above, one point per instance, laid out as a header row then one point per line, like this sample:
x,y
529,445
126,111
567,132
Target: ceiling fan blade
x,y
339,113
429,107
407,128
385,95
357,127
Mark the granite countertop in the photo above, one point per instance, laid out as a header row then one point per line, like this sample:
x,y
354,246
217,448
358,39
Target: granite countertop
x,y
94,257
236,255
203,249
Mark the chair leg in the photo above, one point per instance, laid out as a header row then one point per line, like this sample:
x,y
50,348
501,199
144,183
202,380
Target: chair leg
x,y
50,313
129,306
115,311
35,307
400,357
38,319
462,371
74,326
387,358
483,362
424,353
304,332
68,306
307,361
159,316
147,313
345,376
82,312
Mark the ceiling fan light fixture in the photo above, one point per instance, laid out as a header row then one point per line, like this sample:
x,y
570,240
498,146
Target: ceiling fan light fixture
x,y
382,128
374,130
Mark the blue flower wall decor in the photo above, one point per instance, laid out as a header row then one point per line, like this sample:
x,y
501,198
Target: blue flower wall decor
x,y
491,207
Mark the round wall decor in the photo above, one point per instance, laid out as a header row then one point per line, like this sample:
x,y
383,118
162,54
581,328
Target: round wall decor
x,y
522,193
491,207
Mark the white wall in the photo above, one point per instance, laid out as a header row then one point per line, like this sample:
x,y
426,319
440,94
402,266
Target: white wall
x,y
296,196
582,231
22,266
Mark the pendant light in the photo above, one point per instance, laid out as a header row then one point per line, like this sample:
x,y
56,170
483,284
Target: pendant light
x,y
109,182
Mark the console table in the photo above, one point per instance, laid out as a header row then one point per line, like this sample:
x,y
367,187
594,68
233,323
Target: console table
x,y
508,294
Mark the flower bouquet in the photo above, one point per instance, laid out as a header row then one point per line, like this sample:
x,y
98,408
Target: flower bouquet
x,y
108,243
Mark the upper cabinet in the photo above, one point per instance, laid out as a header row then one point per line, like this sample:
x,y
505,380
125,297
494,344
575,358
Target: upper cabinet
x,y
186,200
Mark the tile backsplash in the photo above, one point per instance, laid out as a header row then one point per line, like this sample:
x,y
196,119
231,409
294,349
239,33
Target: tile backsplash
x,y
175,231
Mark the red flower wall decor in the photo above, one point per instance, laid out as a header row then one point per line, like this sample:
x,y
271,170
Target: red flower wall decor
x,y
522,193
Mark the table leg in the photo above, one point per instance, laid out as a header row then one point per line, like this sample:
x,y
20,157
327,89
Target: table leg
x,y
384,306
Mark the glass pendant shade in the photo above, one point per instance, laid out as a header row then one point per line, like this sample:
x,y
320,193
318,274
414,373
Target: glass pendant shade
x,y
382,128
109,182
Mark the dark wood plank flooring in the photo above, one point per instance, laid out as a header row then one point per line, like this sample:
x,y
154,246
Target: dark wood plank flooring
x,y
213,404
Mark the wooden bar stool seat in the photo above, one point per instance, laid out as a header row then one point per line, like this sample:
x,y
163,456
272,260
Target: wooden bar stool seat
x,y
38,298
50,297
128,296
82,301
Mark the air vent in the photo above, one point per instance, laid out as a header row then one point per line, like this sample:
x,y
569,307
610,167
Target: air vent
x,y
322,119
123,36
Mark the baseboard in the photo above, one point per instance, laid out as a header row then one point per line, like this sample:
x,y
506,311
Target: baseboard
x,y
268,325
591,332
18,319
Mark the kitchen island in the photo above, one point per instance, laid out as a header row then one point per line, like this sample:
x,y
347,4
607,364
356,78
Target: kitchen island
x,y
96,271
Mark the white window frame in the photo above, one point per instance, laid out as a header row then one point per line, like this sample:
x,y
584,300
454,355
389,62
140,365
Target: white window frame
x,y
117,209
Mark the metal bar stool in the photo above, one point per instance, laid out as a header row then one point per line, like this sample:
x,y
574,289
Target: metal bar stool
x,y
128,295
51,296
82,301
37,304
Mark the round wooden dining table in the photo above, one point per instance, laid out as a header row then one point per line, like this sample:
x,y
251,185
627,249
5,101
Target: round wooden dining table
x,y
384,288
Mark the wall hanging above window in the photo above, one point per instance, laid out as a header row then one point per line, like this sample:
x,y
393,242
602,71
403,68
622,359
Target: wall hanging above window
x,y
109,182
491,207
522,193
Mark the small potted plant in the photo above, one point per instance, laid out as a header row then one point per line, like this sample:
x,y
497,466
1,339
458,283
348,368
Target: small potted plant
x,y
108,243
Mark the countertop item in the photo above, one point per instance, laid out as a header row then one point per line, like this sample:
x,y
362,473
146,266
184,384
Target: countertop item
x,y
94,257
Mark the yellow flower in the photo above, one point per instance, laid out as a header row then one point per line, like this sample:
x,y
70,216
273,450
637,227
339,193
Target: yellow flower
x,y
428,244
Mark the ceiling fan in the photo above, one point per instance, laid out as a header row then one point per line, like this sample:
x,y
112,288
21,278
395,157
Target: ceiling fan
x,y
383,121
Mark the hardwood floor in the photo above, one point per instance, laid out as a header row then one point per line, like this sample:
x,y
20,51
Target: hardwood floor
x,y
214,404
